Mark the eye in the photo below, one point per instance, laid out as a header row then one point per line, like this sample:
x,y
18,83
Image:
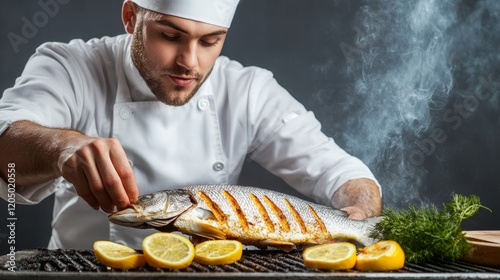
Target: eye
x,y
169,37
145,198
210,41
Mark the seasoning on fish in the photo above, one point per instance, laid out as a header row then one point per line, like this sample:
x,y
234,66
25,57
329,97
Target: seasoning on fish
x,y
250,215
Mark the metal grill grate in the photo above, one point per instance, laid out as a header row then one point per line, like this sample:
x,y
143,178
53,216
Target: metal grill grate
x,y
47,264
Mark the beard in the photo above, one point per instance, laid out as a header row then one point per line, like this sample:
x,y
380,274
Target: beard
x,y
156,79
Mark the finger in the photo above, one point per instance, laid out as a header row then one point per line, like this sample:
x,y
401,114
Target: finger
x,y
357,216
103,180
125,172
97,188
87,159
83,190
76,176
112,183
355,213
109,175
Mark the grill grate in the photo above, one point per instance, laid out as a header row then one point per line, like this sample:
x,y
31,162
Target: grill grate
x,y
264,263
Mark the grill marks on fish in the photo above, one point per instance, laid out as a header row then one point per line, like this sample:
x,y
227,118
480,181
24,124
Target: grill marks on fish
x,y
321,225
278,213
296,216
237,210
263,212
264,215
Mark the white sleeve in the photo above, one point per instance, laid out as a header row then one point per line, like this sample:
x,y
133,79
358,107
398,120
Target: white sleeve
x,y
45,92
290,144
27,195
42,94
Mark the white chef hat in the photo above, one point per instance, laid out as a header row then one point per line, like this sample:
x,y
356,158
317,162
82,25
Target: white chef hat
x,y
216,12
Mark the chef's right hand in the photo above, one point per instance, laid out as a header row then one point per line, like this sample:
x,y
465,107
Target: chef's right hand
x,y
100,172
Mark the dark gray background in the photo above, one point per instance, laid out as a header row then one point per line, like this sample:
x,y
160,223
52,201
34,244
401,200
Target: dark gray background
x,y
355,64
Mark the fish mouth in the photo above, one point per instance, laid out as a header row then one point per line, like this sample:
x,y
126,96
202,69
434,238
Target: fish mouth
x,y
129,217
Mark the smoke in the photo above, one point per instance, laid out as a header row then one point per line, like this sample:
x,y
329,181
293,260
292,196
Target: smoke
x,y
419,69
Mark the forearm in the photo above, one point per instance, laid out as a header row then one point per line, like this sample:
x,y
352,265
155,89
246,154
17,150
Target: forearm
x,y
359,195
97,167
34,149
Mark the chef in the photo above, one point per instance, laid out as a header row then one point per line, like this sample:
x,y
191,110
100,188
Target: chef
x,y
98,122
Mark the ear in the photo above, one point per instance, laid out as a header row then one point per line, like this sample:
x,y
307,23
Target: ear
x,y
129,16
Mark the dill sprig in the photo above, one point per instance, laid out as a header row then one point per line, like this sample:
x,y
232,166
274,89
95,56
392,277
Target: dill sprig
x,y
429,233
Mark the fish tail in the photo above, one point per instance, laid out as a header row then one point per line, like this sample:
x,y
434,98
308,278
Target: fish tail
x,y
370,226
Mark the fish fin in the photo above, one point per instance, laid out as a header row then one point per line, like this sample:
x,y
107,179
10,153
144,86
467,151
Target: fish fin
x,y
282,245
160,223
204,214
208,231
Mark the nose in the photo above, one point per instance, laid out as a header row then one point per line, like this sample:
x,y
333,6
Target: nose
x,y
187,56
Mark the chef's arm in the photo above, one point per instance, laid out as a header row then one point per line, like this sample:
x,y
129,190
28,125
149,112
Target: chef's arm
x,y
97,167
360,198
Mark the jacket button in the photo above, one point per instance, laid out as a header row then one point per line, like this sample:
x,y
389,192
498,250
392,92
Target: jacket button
x,y
203,104
125,113
218,166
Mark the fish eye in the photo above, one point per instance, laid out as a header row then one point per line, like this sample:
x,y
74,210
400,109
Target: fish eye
x,y
145,198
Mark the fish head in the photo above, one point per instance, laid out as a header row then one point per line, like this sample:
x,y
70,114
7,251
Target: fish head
x,y
154,210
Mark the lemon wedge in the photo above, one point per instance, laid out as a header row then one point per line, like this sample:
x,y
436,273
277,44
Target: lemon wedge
x,y
117,256
218,252
333,256
382,256
168,250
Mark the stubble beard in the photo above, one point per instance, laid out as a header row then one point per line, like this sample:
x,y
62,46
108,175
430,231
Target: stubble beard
x,y
172,96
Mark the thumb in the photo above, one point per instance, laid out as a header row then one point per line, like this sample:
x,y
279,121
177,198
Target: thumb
x,y
355,213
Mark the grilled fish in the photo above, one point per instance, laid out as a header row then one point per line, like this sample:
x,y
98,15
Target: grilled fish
x,y
253,216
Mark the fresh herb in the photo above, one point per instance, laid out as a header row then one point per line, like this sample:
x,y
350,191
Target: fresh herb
x,y
429,233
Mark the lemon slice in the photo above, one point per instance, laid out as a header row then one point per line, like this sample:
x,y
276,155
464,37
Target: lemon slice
x,y
218,252
334,256
381,256
168,250
117,256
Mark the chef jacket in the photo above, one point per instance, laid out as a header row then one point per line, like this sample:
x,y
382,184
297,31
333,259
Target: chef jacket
x,y
95,88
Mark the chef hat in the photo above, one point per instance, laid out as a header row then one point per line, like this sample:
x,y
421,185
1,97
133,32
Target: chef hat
x,y
216,12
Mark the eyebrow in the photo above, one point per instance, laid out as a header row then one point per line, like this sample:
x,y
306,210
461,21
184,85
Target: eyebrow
x,y
178,28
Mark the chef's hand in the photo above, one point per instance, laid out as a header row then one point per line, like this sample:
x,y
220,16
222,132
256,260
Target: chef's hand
x,y
360,198
100,172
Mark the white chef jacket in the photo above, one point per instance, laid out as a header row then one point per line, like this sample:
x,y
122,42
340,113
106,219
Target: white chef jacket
x,y
94,87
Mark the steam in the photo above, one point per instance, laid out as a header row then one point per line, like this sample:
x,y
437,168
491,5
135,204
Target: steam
x,y
419,69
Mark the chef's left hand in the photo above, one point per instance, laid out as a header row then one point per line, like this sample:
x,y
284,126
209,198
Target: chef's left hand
x,y
360,198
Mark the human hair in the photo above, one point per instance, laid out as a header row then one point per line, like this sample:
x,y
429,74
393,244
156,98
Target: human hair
x,y
147,14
